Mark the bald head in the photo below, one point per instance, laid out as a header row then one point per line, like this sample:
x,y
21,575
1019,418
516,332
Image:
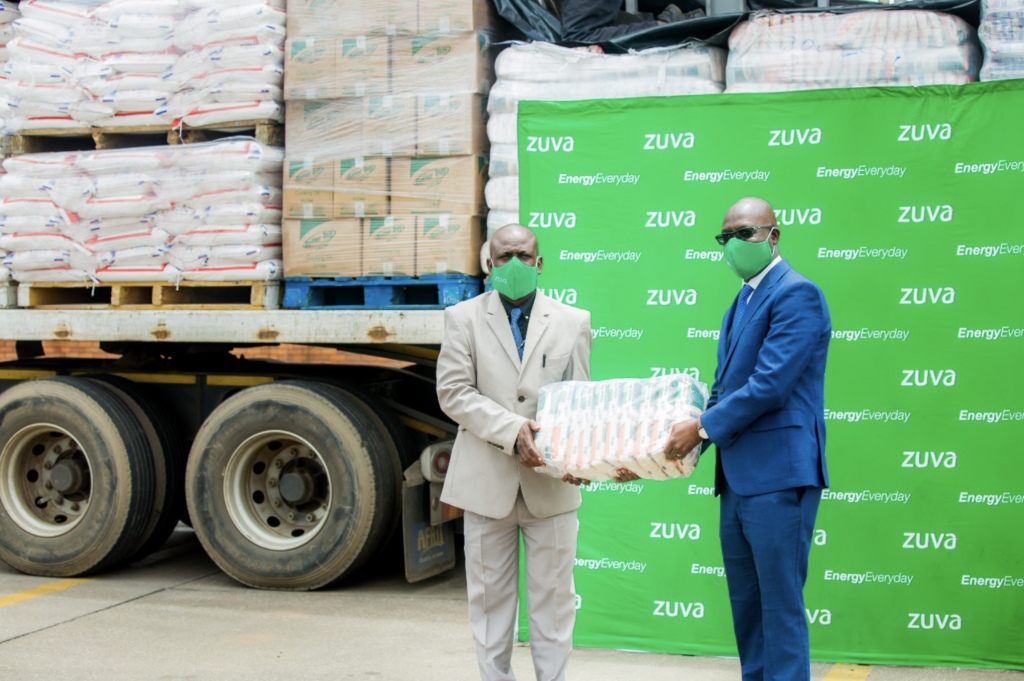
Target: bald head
x,y
752,212
514,241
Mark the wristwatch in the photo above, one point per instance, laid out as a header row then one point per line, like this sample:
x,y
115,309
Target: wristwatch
x,y
700,430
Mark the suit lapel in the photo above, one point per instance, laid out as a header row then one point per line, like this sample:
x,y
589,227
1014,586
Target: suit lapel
x,y
538,323
498,321
761,294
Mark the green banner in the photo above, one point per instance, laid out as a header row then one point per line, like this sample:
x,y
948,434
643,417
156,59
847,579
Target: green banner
x,y
903,205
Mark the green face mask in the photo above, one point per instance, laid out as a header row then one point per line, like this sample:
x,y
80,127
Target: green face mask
x,y
748,258
514,279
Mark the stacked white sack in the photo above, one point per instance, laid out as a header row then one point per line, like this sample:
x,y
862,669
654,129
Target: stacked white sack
x,y
207,212
775,52
541,71
8,13
1002,36
592,429
81,63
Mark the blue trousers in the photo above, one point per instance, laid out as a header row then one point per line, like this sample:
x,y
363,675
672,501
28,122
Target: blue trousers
x,y
766,541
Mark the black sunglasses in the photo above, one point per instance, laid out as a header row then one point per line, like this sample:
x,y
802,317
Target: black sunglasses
x,y
743,233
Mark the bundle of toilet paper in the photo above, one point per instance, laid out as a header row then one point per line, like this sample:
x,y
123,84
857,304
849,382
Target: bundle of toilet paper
x,y
81,63
541,71
775,52
1002,36
205,212
592,429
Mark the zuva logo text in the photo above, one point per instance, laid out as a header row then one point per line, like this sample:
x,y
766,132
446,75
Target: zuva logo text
x,y
545,144
687,296
923,377
929,540
922,296
798,216
919,620
929,459
917,133
787,138
929,213
684,140
671,218
547,220
677,608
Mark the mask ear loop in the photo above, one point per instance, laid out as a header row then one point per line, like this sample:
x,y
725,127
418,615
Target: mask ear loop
x,y
775,249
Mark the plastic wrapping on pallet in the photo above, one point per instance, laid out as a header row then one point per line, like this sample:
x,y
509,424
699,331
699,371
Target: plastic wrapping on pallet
x,y
1002,37
541,71
774,51
117,64
590,430
125,210
395,17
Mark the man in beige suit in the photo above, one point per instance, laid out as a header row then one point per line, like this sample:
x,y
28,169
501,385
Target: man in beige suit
x,y
498,350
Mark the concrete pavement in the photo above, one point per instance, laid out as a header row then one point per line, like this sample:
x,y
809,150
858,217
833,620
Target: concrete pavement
x,y
176,616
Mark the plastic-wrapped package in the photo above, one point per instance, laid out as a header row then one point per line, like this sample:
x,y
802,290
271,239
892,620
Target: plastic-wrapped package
x,y
123,210
775,51
117,63
590,430
1002,37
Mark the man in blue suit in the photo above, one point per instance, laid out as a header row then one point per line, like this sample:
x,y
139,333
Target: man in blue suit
x,y
766,418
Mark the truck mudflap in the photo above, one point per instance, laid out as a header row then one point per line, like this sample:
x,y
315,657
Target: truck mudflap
x,y
429,549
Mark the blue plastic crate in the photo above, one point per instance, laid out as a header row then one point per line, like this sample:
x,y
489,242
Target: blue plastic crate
x,y
429,292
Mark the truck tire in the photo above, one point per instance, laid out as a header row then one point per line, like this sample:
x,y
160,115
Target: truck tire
x,y
290,485
76,478
168,462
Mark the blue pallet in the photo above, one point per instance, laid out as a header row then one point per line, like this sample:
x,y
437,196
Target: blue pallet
x,y
429,292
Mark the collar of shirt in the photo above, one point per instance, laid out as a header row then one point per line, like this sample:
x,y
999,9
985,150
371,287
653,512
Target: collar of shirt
x,y
526,306
756,279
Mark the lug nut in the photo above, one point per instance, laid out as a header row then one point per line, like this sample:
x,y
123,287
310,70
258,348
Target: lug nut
x,y
47,465
48,485
277,463
74,507
276,502
309,517
291,516
272,482
59,499
57,449
293,453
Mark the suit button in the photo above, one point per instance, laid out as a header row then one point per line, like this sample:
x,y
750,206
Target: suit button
x,y
522,399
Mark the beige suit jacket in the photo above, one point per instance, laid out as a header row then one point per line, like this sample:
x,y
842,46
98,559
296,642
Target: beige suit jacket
x,y
482,386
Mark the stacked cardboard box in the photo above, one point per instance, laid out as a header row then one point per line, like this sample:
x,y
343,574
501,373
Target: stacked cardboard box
x,y
386,136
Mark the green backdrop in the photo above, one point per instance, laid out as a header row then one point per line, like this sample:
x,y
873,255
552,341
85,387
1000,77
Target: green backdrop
x,y
904,205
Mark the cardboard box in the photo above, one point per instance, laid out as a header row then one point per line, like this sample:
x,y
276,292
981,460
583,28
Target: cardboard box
x,y
322,248
452,62
324,129
449,184
451,125
361,187
448,244
309,188
389,246
363,63
310,69
443,16
392,16
389,126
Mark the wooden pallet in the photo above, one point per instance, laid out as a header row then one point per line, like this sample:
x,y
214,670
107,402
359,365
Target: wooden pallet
x,y
186,295
8,295
432,292
88,139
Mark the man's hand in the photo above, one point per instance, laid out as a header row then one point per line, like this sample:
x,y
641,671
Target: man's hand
x,y
528,453
575,481
625,475
682,440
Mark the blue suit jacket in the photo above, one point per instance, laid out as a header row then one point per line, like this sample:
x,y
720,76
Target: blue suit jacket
x,y
766,414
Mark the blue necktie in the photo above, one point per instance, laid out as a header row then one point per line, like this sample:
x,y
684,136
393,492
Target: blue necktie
x,y
741,307
517,314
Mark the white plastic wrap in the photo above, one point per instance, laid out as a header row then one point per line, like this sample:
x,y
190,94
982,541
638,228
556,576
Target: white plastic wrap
x,y
1002,36
125,212
590,430
131,59
496,219
502,193
775,52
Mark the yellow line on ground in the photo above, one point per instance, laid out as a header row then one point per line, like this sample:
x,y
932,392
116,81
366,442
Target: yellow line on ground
x,y
38,591
848,672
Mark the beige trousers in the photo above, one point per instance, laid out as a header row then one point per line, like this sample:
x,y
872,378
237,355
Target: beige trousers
x,y
492,574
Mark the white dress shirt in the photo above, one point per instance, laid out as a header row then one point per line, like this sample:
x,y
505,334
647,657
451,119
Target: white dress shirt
x,y
756,279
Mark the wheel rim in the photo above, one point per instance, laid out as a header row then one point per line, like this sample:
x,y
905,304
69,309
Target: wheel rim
x,y
45,480
277,490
